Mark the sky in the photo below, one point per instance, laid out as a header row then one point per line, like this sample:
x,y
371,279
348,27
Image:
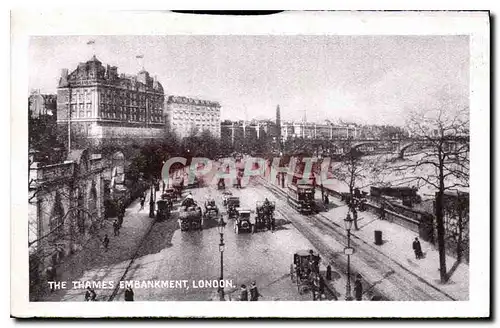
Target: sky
x,y
363,79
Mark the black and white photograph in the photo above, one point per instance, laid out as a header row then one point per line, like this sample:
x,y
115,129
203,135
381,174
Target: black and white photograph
x,y
302,164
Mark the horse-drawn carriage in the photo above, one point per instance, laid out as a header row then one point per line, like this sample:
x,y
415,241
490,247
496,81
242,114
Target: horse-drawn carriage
x,y
178,186
190,215
305,271
226,194
170,193
221,185
211,209
188,201
243,221
265,215
191,218
169,198
163,209
233,203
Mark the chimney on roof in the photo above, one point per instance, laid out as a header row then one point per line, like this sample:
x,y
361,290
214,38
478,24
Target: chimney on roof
x,y
63,81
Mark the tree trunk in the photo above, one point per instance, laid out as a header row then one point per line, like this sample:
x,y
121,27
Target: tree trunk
x,y
440,236
459,238
355,217
440,224
353,207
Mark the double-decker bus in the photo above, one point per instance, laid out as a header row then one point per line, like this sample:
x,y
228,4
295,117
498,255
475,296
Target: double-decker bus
x,y
301,197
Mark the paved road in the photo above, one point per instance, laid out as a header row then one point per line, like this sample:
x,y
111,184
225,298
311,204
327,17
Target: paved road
x,y
171,254
382,275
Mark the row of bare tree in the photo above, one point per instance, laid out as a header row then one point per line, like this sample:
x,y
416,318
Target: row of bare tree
x,y
441,165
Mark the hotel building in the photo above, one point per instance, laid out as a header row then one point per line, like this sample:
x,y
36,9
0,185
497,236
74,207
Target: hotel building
x,y
185,115
101,104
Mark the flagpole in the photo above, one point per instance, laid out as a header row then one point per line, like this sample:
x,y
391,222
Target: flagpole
x,y
141,57
92,44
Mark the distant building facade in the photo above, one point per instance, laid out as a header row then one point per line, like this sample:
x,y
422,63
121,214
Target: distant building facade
x,y
239,130
235,130
308,130
41,105
183,115
102,104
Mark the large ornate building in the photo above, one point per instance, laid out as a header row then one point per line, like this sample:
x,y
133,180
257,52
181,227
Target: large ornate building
x,y
104,104
184,115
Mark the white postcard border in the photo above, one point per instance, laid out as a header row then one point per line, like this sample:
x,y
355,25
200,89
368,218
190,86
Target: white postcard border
x,y
475,24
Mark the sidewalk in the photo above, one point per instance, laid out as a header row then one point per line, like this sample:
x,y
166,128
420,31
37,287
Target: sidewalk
x,y
94,263
284,289
397,244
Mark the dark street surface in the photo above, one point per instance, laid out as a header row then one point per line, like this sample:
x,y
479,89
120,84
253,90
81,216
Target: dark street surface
x,y
170,254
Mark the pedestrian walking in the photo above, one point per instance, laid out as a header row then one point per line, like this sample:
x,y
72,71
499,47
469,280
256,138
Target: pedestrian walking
x,y
382,211
51,276
120,219
116,228
90,295
143,199
321,287
254,292
243,293
105,242
358,288
329,272
129,294
252,223
417,249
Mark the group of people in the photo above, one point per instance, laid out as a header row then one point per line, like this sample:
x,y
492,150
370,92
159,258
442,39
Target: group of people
x,y
253,291
117,224
91,295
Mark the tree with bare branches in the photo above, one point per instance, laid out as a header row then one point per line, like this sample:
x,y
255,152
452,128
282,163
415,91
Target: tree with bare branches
x,y
66,226
443,162
354,171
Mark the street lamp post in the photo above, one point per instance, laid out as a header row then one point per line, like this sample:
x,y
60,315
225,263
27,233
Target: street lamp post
x,y
320,157
348,251
152,199
221,227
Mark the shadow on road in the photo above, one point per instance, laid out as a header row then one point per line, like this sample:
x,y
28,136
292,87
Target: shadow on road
x,y
159,238
452,270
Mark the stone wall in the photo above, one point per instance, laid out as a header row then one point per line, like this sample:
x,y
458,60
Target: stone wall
x,y
417,221
65,208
